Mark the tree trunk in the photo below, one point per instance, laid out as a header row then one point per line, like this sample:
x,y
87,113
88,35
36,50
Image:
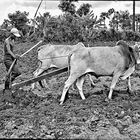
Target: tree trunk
x,y
136,26
134,15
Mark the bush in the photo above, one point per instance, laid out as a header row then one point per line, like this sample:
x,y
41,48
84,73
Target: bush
x,y
105,35
129,35
76,34
113,35
68,28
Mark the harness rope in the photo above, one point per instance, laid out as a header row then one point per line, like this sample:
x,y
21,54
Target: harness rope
x,y
53,57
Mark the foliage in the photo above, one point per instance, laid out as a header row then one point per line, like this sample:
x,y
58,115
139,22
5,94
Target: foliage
x,y
73,25
41,22
114,35
69,28
6,24
19,20
67,6
3,35
129,35
125,19
84,9
105,35
122,19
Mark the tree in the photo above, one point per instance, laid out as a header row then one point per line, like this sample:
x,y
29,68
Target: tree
x,y
19,20
114,22
124,19
106,15
6,23
84,9
42,22
110,11
67,6
103,17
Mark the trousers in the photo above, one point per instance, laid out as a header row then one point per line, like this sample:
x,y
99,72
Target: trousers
x,y
14,73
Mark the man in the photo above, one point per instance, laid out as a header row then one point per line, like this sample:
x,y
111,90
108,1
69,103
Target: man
x,y
9,56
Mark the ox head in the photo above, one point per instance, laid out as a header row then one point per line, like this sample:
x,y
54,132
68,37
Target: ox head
x,y
136,50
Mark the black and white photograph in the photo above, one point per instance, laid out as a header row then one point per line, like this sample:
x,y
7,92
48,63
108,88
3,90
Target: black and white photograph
x,y
70,69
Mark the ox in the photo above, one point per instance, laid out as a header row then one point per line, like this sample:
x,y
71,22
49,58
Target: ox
x,y
54,56
118,62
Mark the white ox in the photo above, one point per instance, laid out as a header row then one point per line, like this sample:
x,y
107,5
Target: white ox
x,y
54,56
118,61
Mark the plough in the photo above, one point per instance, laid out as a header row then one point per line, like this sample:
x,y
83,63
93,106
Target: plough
x,y
8,75
39,78
33,80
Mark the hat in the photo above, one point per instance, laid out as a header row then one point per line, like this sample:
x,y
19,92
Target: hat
x,y
15,32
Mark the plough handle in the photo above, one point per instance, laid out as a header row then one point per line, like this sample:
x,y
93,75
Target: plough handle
x,y
31,48
11,67
14,62
7,78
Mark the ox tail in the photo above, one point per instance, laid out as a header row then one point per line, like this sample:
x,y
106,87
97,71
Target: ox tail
x,y
37,71
69,57
39,66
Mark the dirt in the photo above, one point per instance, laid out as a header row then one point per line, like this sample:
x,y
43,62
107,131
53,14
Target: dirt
x,y
36,116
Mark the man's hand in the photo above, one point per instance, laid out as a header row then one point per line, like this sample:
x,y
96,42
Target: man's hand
x,y
17,56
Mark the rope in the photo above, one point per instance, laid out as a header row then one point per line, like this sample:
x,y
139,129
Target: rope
x,y
54,57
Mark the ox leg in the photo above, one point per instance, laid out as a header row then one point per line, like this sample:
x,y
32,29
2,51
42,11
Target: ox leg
x,y
113,84
74,85
40,83
79,85
90,78
129,88
129,84
37,73
44,83
68,83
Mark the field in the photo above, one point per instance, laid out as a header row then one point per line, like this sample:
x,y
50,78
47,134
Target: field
x,y
34,116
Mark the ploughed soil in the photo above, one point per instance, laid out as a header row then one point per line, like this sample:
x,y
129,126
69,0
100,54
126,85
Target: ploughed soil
x,y
37,114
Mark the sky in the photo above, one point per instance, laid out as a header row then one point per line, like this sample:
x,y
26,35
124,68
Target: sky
x,y
10,6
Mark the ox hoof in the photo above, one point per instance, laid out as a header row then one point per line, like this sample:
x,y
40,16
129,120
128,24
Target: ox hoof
x,y
107,100
130,92
83,98
92,85
61,102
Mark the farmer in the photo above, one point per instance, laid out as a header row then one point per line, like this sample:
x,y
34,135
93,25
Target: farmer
x,y
9,56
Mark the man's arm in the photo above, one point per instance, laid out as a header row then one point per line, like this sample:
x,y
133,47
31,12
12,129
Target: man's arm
x,y
8,49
